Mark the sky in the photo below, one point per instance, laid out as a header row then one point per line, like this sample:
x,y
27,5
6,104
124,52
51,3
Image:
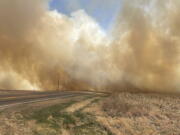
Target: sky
x,y
103,11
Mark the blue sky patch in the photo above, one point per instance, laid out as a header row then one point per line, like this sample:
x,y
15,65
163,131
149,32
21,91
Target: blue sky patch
x,y
103,12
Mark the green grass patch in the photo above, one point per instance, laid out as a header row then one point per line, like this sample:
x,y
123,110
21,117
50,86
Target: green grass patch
x,y
89,125
78,123
52,116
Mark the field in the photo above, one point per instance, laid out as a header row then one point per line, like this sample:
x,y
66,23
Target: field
x,y
142,114
117,114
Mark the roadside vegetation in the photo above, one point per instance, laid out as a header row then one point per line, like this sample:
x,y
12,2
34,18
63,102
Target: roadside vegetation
x,y
54,120
57,120
122,113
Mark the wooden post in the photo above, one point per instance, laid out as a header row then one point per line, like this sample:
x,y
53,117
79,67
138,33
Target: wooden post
x,y
58,84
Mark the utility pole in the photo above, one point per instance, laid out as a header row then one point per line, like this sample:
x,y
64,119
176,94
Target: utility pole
x,y
58,84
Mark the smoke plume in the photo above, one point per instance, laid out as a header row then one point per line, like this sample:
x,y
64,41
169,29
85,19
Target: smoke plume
x,y
40,49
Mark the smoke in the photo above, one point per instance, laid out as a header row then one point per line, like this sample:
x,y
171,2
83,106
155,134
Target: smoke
x,y
148,49
12,80
39,48
44,47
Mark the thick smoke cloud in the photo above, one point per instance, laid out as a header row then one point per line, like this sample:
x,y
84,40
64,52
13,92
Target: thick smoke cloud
x,y
147,45
39,48
44,47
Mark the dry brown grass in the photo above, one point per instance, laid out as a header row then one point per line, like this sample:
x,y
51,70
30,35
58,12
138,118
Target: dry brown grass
x,y
120,114
138,113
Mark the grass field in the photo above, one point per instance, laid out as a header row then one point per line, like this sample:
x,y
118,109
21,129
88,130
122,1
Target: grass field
x,y
119,114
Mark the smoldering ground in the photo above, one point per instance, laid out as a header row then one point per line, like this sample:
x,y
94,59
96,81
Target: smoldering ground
x,y
39,47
